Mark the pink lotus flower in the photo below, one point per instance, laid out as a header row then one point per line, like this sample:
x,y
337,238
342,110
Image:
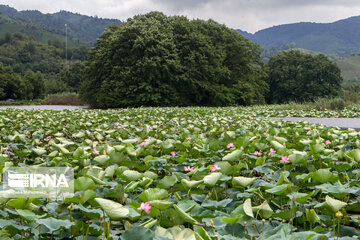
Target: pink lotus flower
x,y
163,126
256,153
5,149
230,145
48,138
142,144
188,169
284,159
284,144
214,168
188,138
271,151
145,206
276,137
173,154
119,127
327,142
95,152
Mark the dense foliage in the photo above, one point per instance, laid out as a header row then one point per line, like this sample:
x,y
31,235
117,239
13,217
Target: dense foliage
x,y
81,28
23,54
14,86
183,173
155,60
300,77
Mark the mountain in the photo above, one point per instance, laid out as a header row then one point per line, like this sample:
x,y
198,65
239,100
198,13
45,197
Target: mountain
x,y
339,38
350,68
84,28
39,33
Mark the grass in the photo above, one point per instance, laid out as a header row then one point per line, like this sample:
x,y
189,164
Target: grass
x,y
65,98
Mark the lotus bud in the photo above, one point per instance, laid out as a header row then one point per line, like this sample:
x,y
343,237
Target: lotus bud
x,y
70,207
339,214
211,222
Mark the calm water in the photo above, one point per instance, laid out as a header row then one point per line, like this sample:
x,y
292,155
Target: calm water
x,y
46,107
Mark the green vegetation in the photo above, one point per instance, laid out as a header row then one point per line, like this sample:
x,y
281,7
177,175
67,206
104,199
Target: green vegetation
x,y
10,25
13,86
64,98
155,60
350,69
337,38
183,173
300,77
22,54
81,28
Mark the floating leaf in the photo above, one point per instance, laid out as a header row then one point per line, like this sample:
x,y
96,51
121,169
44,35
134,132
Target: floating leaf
x,y
102,159
242,181
298,157
114,210
191,184
233,156
132,175
28,215
211,180
311,216
53,224
323,175
153,194
264,210
231,220
184,216
138,233
299,197
247,208
333,204
160,204
278,190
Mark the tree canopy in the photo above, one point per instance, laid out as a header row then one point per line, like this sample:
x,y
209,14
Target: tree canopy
x,y
14,86
300,77
155,60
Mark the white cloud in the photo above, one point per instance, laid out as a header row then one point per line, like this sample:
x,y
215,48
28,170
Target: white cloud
x,y
249,15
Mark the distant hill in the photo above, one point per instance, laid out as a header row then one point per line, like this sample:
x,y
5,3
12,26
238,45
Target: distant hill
x,y
340,38
84,28
350,68
39,33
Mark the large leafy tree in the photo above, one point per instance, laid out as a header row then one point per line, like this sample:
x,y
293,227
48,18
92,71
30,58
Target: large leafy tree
x,y
300,77
155,60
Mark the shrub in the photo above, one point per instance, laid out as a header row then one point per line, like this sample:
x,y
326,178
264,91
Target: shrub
x,y
323,104
65,98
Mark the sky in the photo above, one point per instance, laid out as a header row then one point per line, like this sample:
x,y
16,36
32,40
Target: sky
x,y
247,15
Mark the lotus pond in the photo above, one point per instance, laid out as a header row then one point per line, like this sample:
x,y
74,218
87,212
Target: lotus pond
x,y
183,173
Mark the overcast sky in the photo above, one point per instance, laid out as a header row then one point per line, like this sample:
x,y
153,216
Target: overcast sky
x,y
247,15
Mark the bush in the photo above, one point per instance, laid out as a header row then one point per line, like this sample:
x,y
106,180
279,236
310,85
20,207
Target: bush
x,y
323,104
65,98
